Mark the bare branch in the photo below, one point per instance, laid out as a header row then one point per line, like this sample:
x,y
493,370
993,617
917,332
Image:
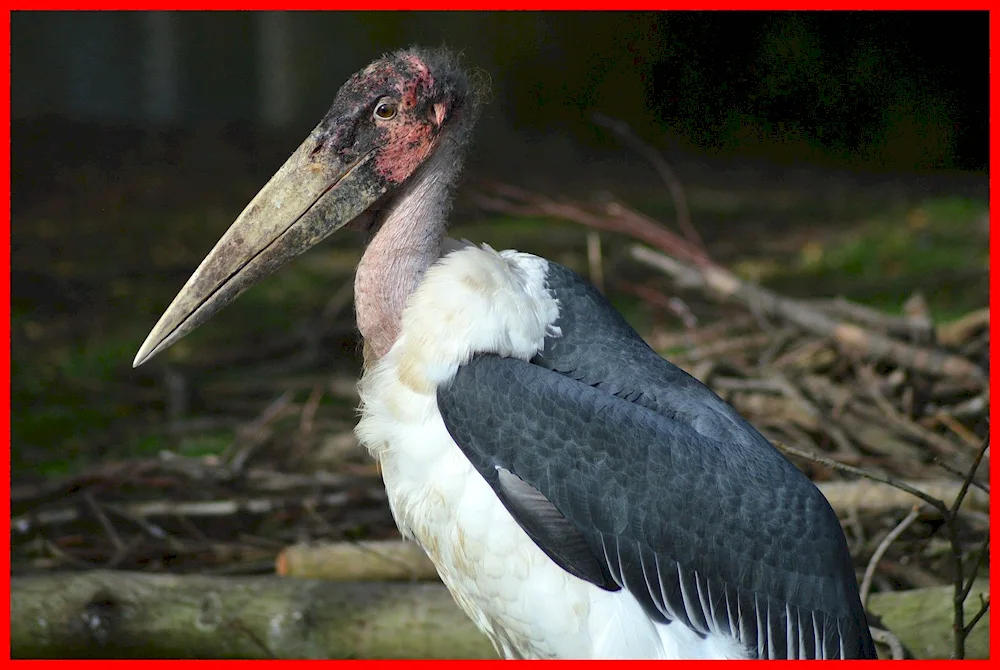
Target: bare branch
x,y
866,582
980,561
960,590
902,486
185,508
667,174
888,639
958,473
984,607
968,478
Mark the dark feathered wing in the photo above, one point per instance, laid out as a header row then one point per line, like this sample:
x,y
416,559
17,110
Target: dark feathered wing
x,y
629,473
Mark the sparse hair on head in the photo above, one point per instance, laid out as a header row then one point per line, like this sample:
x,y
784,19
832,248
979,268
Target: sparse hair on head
x,y
473,84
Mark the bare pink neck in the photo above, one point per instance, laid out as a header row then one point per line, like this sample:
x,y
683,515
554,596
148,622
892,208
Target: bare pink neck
x,y
408,242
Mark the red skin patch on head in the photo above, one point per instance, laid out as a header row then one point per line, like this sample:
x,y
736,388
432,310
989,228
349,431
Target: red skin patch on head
x,y
407,146
420,78
422,73
410,139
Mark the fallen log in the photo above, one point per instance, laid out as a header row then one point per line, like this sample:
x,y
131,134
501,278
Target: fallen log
x,y
384,561
117,614
865,495
108,614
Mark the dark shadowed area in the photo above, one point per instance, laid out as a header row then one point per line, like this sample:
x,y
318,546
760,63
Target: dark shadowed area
x,y
823,156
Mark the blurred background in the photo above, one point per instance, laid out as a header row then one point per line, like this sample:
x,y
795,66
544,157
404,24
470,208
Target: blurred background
x,y
859,89
820,155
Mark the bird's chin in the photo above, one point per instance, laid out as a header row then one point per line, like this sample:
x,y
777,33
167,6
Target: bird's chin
x,y
365,222
370,221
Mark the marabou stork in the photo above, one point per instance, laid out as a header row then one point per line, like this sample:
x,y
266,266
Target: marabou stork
x,y
579,495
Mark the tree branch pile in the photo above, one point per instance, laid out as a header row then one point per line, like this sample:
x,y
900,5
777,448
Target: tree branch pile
x,y
188,514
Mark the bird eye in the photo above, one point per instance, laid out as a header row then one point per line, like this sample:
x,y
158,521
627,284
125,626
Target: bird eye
x,y
385,109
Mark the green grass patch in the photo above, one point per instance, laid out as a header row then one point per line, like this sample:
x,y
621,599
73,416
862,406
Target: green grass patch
x,y
938,247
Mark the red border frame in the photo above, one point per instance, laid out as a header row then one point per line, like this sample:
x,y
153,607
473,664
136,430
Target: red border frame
x,y
521,5
439,5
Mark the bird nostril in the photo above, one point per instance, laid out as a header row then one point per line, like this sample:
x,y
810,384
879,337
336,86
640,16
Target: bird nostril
x,y
319,146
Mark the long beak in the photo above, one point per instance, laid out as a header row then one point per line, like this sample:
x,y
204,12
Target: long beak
x,y
309,198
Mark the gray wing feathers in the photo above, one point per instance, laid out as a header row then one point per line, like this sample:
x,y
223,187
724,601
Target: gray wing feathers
x,y
675,496
599,348
635,486
548,528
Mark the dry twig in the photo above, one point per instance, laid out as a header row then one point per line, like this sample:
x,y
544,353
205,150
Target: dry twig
x,y
667,174
960,628
866,581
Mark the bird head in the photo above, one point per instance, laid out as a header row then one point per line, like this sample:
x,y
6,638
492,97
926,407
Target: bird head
x,y
384,124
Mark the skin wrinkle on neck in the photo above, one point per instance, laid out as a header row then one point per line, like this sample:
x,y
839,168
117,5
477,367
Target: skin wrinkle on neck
x,y
406,244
